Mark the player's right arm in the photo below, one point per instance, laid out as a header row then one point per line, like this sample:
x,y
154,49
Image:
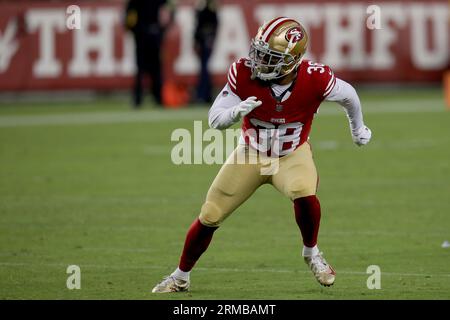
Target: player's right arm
x,y
229,108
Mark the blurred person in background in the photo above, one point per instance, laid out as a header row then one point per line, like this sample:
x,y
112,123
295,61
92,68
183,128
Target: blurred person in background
x,y
204,37
148,20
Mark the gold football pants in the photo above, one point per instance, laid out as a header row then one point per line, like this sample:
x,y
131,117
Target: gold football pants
x,y
294,175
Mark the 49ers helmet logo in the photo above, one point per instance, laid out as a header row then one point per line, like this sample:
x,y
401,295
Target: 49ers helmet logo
x,y
295,34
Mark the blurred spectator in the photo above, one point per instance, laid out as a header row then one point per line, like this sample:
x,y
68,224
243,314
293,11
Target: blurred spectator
x,y
148,20
204,37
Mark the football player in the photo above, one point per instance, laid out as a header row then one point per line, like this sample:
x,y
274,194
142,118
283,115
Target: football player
x,y
276,93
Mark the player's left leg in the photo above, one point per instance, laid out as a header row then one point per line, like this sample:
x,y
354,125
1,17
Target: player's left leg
x,y
297,179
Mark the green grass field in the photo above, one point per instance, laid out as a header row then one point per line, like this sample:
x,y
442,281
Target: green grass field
x,y
93,185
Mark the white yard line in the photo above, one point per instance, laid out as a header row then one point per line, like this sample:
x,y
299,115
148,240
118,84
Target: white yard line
x,y
110,117
237,270
107,117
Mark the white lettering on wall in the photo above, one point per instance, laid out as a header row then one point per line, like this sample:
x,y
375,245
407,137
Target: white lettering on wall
x,y
8,45
342,38
232,41
384,39
187,61
46,22
339,37
437,56
100,41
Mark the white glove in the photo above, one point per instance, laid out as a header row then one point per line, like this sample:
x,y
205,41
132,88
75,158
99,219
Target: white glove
x,y
244,108
362,136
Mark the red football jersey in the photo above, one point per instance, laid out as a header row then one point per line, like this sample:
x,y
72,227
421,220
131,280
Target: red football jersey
x,y
279,127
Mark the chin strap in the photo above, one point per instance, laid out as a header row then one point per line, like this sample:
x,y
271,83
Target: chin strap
x,y
266,77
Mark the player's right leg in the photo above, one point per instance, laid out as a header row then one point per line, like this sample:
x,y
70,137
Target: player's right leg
x,y
235,183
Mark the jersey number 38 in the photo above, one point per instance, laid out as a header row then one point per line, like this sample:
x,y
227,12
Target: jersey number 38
x,y
280,140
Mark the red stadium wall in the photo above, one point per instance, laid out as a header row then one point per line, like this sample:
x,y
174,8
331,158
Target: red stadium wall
x,y
38,51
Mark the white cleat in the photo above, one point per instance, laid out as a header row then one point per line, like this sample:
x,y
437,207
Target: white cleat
x,y
323,272
171,284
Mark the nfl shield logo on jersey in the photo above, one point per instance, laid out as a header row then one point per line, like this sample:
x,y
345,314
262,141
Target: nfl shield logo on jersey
x,y
279,107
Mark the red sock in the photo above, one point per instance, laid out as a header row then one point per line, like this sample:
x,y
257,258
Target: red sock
x,y
307,215
197,241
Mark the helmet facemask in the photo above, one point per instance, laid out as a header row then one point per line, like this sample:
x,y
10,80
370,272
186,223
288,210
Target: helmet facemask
x,y
268,64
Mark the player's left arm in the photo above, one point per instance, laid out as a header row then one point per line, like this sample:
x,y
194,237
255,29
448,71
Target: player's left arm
x,y
344,94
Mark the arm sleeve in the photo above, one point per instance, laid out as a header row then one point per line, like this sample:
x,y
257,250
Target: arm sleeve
x,y
220,114
344,94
